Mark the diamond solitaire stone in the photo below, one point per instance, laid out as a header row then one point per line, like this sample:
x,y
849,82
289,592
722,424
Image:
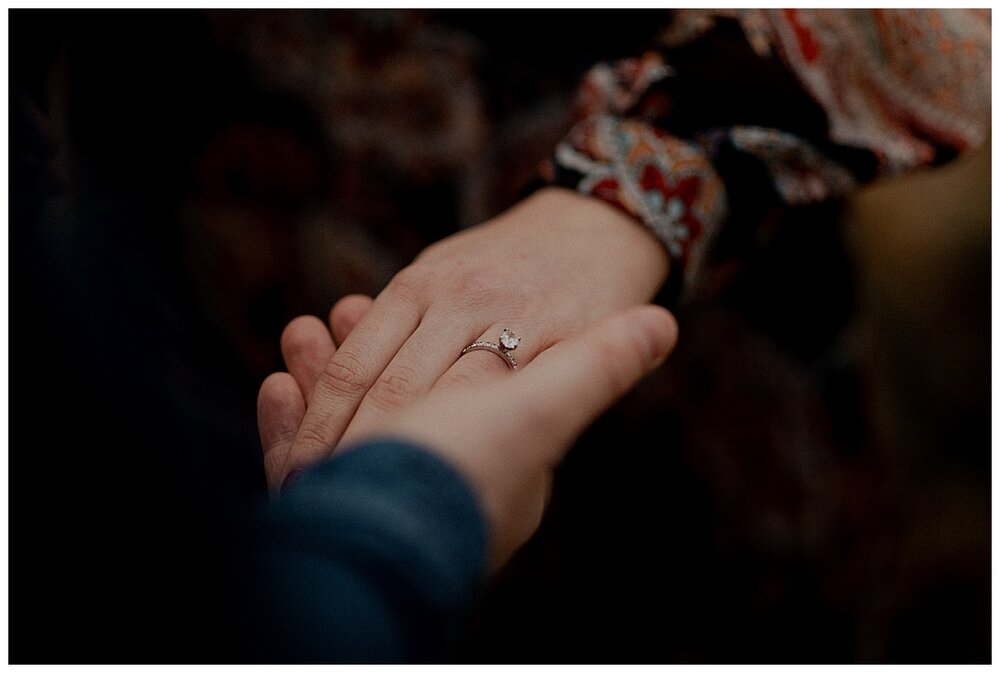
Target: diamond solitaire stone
x,y
509,340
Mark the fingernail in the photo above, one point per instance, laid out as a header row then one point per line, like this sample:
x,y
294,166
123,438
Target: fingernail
x,y
290,479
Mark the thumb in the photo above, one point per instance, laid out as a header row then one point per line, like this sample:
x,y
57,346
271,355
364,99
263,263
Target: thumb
x,y
507,434
568,386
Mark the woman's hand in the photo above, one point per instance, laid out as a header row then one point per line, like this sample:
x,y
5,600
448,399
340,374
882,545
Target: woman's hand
x,y
546,269
505,433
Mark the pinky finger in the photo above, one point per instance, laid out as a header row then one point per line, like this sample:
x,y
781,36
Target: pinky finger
x,y
280,409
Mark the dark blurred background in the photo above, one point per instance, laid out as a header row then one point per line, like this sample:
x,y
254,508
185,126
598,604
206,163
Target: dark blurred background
x,y
807,480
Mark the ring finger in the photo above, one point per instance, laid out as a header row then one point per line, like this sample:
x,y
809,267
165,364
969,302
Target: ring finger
x,y
495,352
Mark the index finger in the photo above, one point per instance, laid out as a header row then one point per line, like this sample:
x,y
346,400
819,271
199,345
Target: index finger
x,y
352,370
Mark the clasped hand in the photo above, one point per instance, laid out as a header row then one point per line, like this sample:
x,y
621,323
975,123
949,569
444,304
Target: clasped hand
x,y
568,273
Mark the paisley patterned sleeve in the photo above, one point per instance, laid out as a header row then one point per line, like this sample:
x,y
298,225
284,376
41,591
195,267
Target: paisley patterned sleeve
x,y
815,102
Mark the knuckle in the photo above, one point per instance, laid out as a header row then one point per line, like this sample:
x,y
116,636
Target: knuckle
x,y
472,370
393,389
345,375
459,378
281,437
463,286
477,289
411,283
313,440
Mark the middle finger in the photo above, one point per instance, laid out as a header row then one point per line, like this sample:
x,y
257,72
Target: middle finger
x,y
420,362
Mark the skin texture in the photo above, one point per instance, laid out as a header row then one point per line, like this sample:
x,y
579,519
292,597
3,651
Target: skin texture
x,y
509,464
547,269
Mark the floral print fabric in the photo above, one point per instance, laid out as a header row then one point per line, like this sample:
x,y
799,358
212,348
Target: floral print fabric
x,y
899,89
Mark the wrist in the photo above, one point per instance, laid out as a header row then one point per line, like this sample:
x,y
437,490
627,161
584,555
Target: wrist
x,y
614,246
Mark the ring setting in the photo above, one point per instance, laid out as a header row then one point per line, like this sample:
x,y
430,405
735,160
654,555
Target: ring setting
x,y
508,341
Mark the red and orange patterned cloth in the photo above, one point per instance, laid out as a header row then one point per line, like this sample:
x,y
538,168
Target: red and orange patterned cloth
x,y
896,90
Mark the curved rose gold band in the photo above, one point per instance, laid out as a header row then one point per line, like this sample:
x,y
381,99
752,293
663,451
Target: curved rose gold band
x,y
493,348
508,342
